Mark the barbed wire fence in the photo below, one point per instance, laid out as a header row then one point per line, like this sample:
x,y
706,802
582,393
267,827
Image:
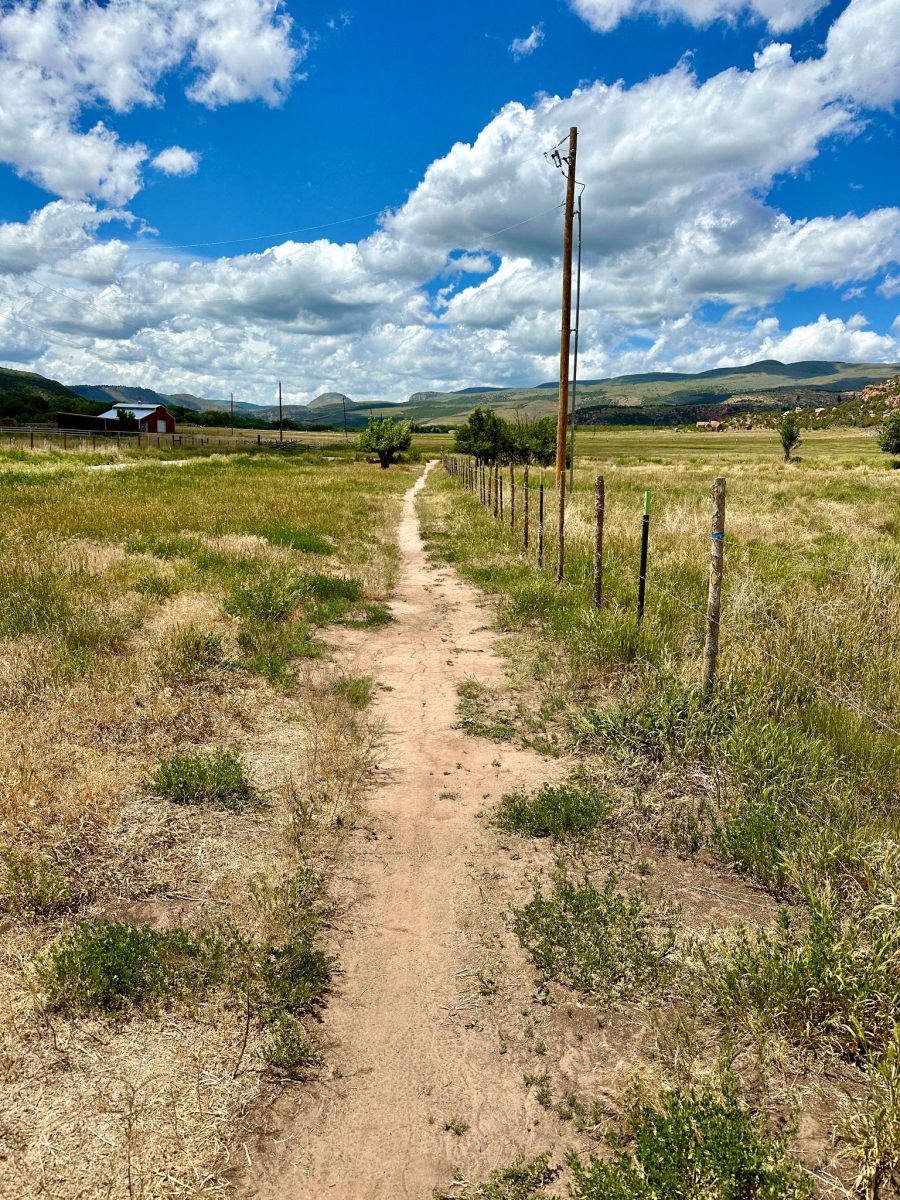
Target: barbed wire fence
x,y
485,482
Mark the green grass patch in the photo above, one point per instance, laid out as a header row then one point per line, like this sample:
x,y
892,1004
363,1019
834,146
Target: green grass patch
x,y
217,777
522,1180
192,656
356,691
561,812
595,940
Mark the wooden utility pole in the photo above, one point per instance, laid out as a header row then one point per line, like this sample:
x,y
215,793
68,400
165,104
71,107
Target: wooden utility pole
x,y
565,338
232,414
714,603
280,416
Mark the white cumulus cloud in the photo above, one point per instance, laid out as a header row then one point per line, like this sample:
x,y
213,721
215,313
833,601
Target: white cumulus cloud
x,y
62,58
778,15
175,160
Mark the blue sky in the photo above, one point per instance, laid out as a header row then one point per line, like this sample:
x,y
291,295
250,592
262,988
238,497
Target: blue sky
x,y
739,203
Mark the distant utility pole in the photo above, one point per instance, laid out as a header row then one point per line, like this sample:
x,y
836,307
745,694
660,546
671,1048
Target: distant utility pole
x,y
280,417
344,402
565,337
232,412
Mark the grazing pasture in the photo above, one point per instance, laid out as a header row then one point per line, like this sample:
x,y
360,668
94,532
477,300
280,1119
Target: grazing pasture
x,y
786,778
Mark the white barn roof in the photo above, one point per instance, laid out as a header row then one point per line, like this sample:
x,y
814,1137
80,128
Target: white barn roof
x,y
139,410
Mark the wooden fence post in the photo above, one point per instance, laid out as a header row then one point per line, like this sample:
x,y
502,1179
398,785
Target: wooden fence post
x,y
512,496
599,512
496,488
541,523
501,498
714,603
645,541
525,510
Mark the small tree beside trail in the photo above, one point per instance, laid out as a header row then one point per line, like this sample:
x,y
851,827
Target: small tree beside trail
x,y
790,434
385,437
491,439
889,440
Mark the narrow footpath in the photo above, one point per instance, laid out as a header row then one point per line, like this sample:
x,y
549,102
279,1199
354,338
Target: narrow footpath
x,y
405,1059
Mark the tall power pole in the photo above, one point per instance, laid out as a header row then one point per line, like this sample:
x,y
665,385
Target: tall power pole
x,y
566,327
232,412
280,416
565,335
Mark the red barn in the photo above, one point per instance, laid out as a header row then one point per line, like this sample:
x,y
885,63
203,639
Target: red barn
x,y
150,418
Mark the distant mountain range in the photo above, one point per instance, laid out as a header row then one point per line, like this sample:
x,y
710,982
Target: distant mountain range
x,y
652,398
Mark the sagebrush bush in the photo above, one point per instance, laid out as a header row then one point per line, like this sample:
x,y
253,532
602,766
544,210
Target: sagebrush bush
x,y
595,939
287,1048
217,777
560,812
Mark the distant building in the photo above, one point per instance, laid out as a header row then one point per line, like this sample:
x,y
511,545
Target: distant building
x,y
820,412
148,418
711,426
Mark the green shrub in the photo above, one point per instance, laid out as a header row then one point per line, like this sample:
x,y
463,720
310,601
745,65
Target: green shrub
x,y
695,1146
31,886
107,966
595,940
559,812
294,975
268,649
193,778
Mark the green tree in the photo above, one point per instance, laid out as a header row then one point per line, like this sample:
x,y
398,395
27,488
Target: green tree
x,y
889,441
535,441
790,434
485,436
385,437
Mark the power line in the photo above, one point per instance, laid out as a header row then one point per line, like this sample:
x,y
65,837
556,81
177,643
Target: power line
x,y
261,237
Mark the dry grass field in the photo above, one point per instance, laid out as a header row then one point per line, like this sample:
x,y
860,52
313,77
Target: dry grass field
x,y
176,759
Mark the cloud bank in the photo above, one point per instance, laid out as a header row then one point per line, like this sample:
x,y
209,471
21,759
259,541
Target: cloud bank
x,y
684,255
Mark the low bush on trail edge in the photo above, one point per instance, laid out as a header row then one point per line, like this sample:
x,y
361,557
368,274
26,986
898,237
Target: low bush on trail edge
x,y
594,939
560,812
217,777
106,966
694,1146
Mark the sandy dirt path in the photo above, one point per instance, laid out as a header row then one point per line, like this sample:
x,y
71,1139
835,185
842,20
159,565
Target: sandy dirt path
x,y
404,1053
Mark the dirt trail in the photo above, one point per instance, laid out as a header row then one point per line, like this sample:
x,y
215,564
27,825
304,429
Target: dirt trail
x,y
404,1060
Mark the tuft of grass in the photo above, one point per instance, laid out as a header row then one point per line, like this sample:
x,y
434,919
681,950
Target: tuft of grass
x,y
561,812
217,777
192,656
456,1125
829,980
31,886
287,1048
269,599
479,718
356,691
595,940
291,536
156,587
695,1145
